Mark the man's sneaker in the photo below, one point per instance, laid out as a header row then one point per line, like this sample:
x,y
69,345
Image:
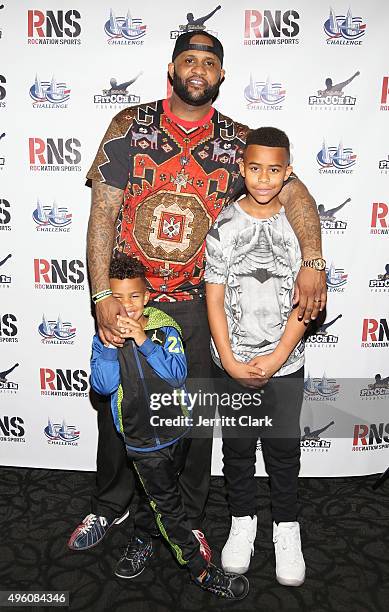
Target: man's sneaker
x,y
228,586
290,565
136,556
239,548
92,530
205,549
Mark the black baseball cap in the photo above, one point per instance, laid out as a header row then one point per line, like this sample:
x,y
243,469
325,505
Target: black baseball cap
x,y
183,44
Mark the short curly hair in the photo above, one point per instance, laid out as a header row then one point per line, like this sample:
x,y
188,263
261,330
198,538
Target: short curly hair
x,y
123,266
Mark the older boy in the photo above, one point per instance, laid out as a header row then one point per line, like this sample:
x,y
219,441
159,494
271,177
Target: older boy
x,y
253,258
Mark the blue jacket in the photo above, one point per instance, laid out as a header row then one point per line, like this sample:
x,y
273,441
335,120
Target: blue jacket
x,y
135,376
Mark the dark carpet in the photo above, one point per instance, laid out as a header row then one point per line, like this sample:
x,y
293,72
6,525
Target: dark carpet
x,y
345,532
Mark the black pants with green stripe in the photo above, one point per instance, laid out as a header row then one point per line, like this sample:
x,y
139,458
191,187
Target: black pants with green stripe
x,y
158,472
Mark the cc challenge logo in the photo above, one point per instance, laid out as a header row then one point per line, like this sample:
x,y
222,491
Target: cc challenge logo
x,y
5,216
61,434
125,30
52,218
195,24
264,95
3,91
344,29
117,96
49,94
54,154
336,279
56,331
271,27
320,389
336,160
332,97
53,27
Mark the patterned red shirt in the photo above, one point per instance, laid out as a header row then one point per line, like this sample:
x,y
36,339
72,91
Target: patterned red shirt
x,y
176,176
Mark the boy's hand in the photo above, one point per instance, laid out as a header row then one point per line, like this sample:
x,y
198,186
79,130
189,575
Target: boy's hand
x,y
269,364
246,373
131,329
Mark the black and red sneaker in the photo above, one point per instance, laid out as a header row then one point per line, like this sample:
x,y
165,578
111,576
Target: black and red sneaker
x,y
92,530
205,549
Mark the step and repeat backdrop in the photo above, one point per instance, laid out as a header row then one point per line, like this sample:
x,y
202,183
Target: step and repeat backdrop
x,y
319,72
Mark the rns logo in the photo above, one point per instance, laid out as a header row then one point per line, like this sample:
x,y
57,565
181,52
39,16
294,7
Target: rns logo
x,y
271,27
375,333
11,427
8,328
373,435
379,218
3,91
5,215
55,27
55,274
72,383
54,153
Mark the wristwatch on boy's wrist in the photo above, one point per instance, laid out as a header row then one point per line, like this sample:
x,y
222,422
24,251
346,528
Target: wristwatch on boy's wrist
x,y
317,264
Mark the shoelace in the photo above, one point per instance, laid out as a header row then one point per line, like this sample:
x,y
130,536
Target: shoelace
x,y
134,551
286,541
242,527
91,520
221,581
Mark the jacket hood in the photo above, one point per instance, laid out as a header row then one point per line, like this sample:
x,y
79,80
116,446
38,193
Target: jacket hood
x,y
157,318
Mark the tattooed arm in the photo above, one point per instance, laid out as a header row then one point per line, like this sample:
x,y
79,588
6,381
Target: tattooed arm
x,y
300,208
106,203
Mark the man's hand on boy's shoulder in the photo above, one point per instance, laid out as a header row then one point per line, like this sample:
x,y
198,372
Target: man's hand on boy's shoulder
x,y
107,311
310,293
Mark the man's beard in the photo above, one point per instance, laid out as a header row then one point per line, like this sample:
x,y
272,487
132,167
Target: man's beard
x,y
181,89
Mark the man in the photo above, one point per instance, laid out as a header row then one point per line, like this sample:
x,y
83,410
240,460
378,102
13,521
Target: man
x,y
160,178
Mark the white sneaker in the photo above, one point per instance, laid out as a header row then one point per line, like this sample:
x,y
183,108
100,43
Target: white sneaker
x,y
290,565
239,548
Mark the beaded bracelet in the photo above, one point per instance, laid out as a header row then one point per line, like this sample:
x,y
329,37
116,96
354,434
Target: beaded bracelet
x,y
97,297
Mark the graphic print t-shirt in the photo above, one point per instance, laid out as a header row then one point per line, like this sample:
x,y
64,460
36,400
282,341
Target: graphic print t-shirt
x,y
257,260
175,175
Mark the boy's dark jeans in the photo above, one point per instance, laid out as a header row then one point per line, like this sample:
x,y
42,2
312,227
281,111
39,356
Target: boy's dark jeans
x,y
158,472
281,401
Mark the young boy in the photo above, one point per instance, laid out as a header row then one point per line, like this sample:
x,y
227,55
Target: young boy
x,y
141,377
253,258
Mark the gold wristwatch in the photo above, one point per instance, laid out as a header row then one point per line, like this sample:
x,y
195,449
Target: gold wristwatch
x,y
316,264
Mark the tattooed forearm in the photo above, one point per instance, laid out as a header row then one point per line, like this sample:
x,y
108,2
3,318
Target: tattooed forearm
x,y
302,214
106,203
